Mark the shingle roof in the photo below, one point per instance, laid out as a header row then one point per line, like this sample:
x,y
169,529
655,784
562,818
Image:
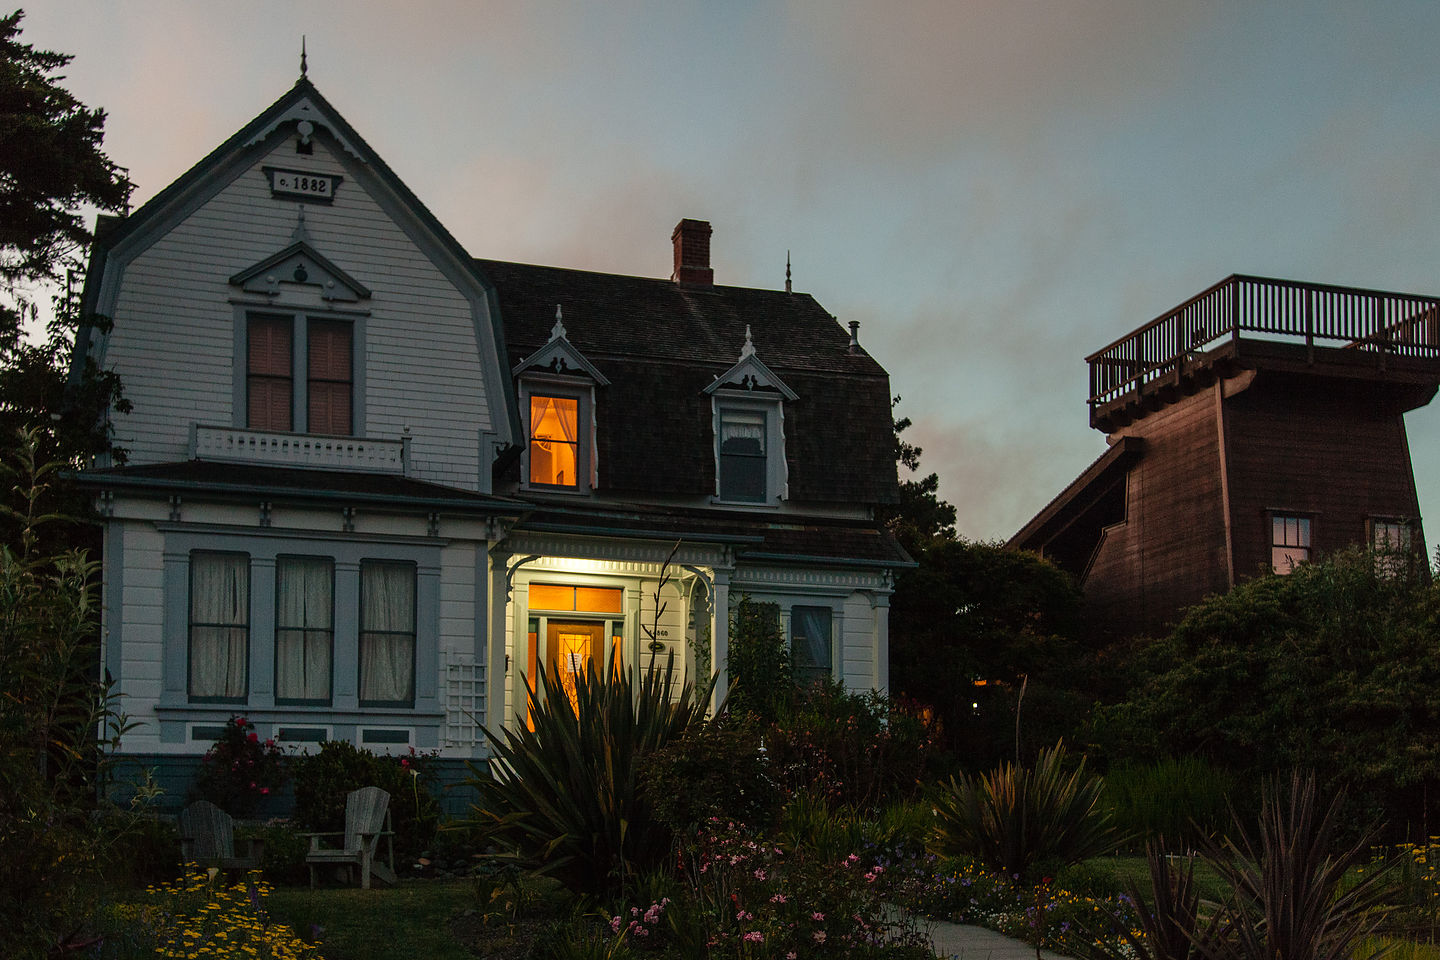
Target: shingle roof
x,y
660,343
779,538
240,479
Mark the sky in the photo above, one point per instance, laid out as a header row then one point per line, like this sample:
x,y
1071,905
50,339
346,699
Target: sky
x,y
994,189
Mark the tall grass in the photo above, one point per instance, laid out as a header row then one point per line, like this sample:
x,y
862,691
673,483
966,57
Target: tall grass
x,y
1180,801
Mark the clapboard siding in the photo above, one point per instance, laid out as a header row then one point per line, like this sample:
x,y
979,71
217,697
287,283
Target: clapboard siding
x,y
1314,448
1170,549
174,333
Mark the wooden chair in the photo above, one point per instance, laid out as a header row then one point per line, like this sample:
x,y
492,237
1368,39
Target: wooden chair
x,y
207,837
367,819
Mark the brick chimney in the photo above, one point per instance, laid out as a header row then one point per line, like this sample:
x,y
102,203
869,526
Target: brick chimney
x,y
692,253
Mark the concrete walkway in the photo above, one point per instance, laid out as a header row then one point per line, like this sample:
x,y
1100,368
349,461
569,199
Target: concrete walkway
x,y
966,942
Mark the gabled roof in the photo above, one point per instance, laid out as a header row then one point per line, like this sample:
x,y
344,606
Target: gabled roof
x,y
560,356
292,259
301,102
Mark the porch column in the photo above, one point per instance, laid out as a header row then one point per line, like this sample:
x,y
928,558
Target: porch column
x,y
881,650
495,661
720,639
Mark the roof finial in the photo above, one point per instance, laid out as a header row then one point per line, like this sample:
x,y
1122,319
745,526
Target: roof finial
x,y
787,271
749,349
303,66
557,332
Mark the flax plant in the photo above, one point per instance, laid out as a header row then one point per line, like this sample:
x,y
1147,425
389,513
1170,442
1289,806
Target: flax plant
x,y
563,794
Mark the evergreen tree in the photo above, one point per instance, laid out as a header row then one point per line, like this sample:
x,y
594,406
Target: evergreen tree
x,y
52,168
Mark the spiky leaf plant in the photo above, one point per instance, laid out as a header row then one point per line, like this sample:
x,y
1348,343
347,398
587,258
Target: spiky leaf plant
x,y
1168,920
562,793
1016,820
1290,901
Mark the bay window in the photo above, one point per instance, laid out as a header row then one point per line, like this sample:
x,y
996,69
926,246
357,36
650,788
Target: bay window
x,y
219,626
387,633
304,629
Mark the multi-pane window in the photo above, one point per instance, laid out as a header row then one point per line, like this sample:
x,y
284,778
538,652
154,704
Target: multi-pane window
x,y
810,646
555,441
219,626
268,373
387,633
1391,541
304,628
1289,542
328,384
743,462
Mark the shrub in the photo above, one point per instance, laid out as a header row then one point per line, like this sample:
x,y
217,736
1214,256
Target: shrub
x,y
858,750
1018,820
758,663
325,778
715,770
239,770
1181,800
563,793
1291,895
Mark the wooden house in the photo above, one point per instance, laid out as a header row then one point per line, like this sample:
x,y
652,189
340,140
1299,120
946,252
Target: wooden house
x,y
1253,427
374,483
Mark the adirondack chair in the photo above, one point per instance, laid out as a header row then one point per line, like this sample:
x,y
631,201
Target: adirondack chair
x,y
207,836
367,820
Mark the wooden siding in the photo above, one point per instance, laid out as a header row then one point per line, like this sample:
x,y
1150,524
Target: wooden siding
x,y
1170,548
1331,450
173,339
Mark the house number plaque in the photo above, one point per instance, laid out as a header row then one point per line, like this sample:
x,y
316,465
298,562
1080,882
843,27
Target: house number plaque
x,y
302,184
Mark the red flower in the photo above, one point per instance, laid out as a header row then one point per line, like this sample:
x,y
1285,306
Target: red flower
x,y
253,738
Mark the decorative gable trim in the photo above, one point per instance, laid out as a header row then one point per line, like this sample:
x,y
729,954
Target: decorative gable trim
x,y
300,263
305,110
559,356
750,374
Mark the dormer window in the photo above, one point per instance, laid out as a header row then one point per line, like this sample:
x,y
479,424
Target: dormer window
x,y
748,404
743,457
557,397
554,441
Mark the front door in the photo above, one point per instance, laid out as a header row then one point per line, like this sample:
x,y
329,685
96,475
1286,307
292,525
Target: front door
x,y
570,646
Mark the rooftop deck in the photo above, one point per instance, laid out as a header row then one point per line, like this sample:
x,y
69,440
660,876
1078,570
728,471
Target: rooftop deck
x,y
1369,333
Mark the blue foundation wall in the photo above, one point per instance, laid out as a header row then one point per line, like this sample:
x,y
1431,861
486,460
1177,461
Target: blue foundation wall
x,y
174,776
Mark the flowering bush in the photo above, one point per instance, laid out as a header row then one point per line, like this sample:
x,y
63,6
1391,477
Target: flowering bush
x,y
753,898
240,770
853,749
199,918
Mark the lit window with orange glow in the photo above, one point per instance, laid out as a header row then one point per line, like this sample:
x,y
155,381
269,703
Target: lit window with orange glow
x,y
554,441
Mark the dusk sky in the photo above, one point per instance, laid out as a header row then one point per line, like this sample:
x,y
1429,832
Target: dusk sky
x,y
992,189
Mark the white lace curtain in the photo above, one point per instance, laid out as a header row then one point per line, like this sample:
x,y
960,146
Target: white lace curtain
x,y
304,626
810,642
219,624
387,632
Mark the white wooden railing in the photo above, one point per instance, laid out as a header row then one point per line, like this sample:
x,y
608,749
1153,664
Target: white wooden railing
x,y
297,449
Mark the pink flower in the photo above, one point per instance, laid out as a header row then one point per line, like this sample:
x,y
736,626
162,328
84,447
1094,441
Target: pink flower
x,y
754,936
264,790
759,874
818,917
615,923
819,936
778,898
791,955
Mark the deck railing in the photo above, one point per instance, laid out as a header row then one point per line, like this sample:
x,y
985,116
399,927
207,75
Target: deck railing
x,y
1313,314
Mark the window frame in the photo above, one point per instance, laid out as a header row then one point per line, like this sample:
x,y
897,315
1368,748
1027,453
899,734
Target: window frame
x,y
1305,531
586,454
830,645
777,470
1392,561
191,624
328,700
300,318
